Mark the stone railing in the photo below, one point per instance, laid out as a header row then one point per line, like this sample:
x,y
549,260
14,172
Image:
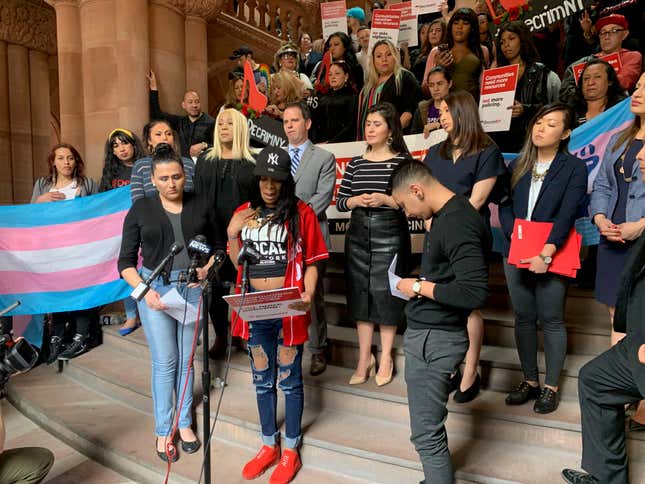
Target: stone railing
x,y
283,18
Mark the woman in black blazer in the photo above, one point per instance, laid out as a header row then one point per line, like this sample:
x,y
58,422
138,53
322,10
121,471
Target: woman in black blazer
x,y
548,185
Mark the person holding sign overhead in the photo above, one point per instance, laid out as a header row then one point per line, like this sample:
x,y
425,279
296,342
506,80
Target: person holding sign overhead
x,y
285,233
547,185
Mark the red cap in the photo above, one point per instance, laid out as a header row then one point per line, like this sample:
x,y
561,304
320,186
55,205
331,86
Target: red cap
x,y
614,18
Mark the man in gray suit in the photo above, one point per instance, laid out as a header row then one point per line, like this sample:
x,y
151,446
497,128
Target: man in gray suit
x,y
314,171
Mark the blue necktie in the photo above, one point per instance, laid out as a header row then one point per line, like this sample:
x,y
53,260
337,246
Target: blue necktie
x,y
295,160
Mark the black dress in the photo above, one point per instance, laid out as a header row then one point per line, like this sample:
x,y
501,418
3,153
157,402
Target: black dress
x,y
374,237
334,119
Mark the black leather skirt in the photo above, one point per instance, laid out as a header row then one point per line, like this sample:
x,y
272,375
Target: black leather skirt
x,y
374,237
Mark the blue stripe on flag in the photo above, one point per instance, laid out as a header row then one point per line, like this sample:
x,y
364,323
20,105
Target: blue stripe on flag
x,y
86,298
54,213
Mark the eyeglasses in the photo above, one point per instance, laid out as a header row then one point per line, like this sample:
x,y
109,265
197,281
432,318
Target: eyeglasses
x,y
607,33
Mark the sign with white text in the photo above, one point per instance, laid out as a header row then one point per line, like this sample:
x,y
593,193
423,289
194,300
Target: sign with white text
x,y
333,15
277,303
408,26
497,97
612,59
420,7
385,25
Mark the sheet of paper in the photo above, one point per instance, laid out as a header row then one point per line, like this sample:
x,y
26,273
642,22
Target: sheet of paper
x,y
176,307
394,280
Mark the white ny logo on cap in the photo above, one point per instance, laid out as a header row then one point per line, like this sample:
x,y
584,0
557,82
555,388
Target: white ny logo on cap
x,y
273,159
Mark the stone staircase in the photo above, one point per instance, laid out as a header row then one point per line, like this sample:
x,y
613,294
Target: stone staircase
x,y
101,405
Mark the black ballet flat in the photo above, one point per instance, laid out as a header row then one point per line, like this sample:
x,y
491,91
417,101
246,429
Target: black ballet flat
x,y
470,394
174,456
190,447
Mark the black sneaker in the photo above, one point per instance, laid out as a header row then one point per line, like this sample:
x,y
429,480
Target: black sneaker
x,y
578,477
522,394
547,402
55,348
77,347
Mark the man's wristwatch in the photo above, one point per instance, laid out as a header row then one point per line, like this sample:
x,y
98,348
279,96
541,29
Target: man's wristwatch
x,y
416,287
547,259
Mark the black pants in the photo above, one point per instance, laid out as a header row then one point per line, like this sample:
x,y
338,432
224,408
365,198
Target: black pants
x,y
80,319
538,297
218,308
605,385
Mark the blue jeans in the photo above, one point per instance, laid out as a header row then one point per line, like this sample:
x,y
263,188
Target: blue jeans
x,y
273,362
130,306
170,344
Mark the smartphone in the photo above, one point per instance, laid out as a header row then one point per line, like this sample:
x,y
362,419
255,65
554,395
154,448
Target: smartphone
x,y
443,47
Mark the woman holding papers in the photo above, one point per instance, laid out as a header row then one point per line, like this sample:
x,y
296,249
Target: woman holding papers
x,y
547,185
284,235
152,226
468,162
377,231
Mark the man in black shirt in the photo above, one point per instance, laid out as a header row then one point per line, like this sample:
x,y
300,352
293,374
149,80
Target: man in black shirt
x,y
452,282
195,130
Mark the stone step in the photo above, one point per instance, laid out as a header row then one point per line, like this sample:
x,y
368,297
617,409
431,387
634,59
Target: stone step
x,y
486,414
121,437
388,460
69,466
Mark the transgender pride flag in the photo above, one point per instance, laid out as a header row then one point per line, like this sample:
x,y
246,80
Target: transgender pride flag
x,y
62,256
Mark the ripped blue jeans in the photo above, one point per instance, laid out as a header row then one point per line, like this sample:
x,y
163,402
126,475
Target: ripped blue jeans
x,y
276,366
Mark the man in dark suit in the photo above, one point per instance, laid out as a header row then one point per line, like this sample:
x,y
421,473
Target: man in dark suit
x,y
314,171
613,379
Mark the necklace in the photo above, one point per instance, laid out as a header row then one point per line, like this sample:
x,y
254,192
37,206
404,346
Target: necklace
x,y
536,176
259,221
621,169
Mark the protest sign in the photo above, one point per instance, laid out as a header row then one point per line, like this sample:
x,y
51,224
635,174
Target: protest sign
x,y
497,96
333,15
612,59
420,7
408,26
277,303
385,25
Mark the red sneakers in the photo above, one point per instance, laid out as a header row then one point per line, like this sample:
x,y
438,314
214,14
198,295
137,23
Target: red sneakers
x,y
267,457
287,468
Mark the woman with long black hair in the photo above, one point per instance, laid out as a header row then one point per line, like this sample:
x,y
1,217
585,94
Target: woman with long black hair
x,y
548,185
338,47
287,237
122,149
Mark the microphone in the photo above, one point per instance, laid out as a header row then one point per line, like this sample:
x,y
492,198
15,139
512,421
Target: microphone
x,y
199,251
144,286
248,255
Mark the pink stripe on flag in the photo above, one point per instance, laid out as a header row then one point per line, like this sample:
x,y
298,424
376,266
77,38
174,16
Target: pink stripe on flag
x,y
16,282
63,235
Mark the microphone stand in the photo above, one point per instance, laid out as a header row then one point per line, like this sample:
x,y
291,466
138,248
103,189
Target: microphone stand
x,y
207,291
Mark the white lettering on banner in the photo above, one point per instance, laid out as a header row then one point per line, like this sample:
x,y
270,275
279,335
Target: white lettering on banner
x,y
553,15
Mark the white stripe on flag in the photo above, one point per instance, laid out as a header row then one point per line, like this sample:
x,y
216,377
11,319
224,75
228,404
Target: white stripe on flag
x,y
61,259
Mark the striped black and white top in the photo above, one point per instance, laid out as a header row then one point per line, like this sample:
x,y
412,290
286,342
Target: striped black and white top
x,y
365,176
141,183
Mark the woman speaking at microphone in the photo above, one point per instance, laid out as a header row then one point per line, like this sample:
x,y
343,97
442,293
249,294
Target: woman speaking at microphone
x,y
284,232
153,225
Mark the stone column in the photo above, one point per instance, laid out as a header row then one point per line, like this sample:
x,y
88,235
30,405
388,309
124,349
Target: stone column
x,y
133,54
40,110
20,115
167,53
197,58
100,79
70,72
6,186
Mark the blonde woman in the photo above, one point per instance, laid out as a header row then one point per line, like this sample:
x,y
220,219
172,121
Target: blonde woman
x,y
224,175
387,81
285,88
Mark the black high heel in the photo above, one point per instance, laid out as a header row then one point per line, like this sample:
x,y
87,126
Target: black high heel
x,y
470,394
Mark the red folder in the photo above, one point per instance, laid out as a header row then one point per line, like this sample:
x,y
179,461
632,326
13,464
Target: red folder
x,y
528,240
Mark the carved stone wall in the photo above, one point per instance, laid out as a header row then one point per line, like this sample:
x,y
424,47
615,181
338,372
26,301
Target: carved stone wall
x,y
29,23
